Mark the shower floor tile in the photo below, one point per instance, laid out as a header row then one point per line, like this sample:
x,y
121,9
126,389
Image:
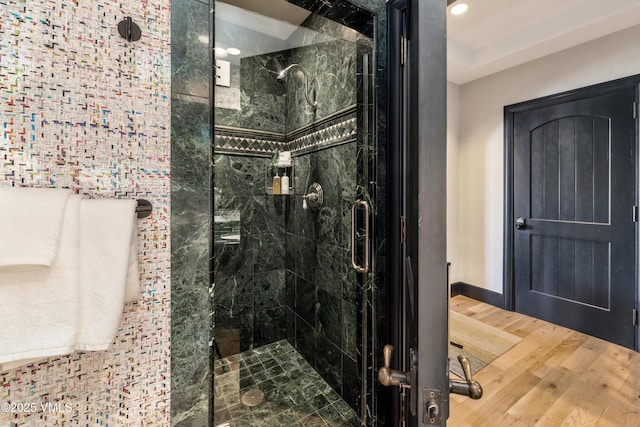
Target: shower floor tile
x,y
294,393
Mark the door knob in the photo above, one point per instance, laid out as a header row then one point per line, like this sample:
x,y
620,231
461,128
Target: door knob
x,y
521,223
468,387
388,376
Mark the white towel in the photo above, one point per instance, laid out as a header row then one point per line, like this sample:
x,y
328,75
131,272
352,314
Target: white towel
x,y
107,230
40,308
77,303
132,287
31,221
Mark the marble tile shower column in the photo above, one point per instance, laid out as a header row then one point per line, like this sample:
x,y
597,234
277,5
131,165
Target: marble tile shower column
x,y
190,213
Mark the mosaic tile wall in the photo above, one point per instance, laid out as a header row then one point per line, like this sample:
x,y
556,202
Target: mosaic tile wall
x,y
82,108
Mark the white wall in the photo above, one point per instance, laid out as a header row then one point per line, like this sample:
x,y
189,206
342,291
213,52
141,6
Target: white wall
x,y
453,124
477,233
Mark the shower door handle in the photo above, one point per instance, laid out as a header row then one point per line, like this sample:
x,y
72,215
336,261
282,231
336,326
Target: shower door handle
x,y
392,377
360,268
467,387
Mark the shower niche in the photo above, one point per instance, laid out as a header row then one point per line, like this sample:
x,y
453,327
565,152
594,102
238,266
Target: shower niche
x,y
290,312
279,175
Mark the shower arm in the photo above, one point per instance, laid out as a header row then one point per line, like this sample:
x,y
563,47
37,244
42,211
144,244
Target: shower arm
x,y
284,73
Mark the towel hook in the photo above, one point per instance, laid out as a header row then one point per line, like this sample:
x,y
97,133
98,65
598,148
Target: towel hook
x,y
144,208
129,30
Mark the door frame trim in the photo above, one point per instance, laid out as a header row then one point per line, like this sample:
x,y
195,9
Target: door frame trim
x,y
395,11
631,82
425,198
427,135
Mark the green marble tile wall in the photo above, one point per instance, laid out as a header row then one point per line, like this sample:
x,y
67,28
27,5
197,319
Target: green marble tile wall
x,y
190,213
322,289
257,277
283,249
249,271
262,100
331,66
324,292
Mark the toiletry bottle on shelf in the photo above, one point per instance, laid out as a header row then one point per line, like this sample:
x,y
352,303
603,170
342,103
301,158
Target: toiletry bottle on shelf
x,y
284,184
276,184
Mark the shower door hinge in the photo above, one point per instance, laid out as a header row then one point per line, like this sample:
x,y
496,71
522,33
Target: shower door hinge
x,y
403,50
635,110
403,229
635,317
635,214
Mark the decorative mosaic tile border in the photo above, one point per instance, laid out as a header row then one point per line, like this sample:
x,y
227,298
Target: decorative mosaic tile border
x,y
81,108
230,140
335,129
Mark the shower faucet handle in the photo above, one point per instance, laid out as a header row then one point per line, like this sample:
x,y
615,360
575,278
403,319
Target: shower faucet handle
x,y
314,197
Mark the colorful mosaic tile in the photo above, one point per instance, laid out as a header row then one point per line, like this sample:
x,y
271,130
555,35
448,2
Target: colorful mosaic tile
x,y
82,108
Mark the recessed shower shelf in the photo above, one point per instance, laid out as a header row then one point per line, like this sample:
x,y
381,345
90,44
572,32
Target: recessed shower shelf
x,y
269,191
270,172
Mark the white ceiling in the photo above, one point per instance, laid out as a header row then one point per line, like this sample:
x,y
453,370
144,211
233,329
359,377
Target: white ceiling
x,y
256,27
277,9
494,35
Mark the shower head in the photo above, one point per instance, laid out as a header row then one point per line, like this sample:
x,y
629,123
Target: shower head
x,y
283,74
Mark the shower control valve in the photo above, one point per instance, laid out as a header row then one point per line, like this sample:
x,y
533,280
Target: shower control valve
x,y
314,198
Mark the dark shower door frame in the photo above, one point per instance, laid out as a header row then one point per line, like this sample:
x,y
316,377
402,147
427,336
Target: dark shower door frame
x,y
418,274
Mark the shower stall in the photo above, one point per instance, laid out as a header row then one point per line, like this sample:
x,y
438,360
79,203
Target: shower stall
x,y
293,203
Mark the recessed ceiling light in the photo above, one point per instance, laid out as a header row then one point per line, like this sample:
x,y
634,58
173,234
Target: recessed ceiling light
x,y
459,9
220,52
204,39
233,51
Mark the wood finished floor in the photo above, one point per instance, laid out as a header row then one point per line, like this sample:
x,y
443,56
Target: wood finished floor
x,y
553,377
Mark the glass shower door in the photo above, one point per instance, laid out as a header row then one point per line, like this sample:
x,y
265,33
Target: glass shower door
x,y
293,152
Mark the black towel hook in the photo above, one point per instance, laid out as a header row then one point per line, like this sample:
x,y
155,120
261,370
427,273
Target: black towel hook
x,y
144,208
129,30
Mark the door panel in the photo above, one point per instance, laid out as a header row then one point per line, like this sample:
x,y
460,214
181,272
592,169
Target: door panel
x,y
417,217
581,276
574,184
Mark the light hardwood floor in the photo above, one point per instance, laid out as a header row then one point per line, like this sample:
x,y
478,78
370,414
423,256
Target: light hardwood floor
x,y
553,377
